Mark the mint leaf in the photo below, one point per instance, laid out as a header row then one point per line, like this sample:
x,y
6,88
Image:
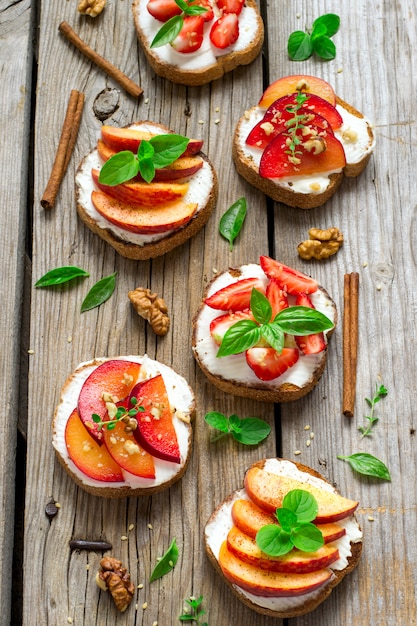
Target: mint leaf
x,y
231,222
239,337
147,170
299,46
319,30
99,293
166,563
145,150
168,31
302,504
217,420
60,275
121,167
286,518
250,430
325,48
260,306
273,540
330,21
307,538
368,465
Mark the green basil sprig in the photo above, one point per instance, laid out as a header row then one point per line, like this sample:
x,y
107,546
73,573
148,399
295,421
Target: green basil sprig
x,y
60,275
195,612
368,465
232,220
99,293
294,528
295,320
250,430
301,45
158,152
173,26
166,563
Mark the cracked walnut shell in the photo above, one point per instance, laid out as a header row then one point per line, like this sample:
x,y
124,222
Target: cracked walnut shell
x,y
151,308
321,245
114,577
91,7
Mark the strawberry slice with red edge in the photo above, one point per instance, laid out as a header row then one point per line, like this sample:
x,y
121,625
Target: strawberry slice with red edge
x,y
191,35
236,296
277,297
309,344
209,14
268,364
225,31
290,280
163,10
221,324
231,6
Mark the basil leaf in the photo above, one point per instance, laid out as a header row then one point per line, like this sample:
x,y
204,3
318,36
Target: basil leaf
x,y
145,150
99,293
182,4
218,421
195,10
301,320
367,465
273,334
274,541
168,31
330,21
325,48
299,46
121,167
147,169
307,538
168,148
232,220
239,337
167,562
260,306
60,275
249,431
302,503
286,518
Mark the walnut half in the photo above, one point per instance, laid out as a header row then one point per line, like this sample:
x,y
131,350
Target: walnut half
x,y
114,577
152,308
91,7
321,245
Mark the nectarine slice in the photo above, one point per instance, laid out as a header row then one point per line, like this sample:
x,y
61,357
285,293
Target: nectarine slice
x,y
129,139
267,491
127,453
299,82
90,457
296,561
114,377
262,582
156,432
143,220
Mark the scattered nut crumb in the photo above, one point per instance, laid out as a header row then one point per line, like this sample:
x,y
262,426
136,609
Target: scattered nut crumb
x,y
31,351
307,427
370,518
379,287
297,452
123,538
217,121
140,586
58,505
146,101
70,620
117,581
154,623
150,526
214,270
322,243
69,339
145,605
151,308
91,7
365,264
247,115
308,443
217,109
201,121
87,567
339,70
312,435
131,527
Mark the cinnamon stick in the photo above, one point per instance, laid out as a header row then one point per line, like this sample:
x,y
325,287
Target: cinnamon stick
x,y
124,81
350,341
65,148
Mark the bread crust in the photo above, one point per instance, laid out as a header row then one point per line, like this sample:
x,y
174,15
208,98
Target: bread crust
x,y
175,238
197,77
321,594
262,391
248,169
106,491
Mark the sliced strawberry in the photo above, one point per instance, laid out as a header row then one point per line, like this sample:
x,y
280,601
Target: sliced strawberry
x,y
225,31
190,36
207,4
221,324
163,10
277,161
277,297
236,296
290,280
268,364
231,6
310,344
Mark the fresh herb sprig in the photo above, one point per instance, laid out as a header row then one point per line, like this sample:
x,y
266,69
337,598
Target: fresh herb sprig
x,y
302,44
121,414
295,124
173,26
232,220
99,293
195,612
380,392
294,528
158,152
166,563
60,275
368,465
250,430
295,320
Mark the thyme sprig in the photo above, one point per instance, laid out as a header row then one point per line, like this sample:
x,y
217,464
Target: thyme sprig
x,y
380,392
296,123
194,613
122,414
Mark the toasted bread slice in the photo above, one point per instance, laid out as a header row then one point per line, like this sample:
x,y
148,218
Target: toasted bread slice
x,y
208,62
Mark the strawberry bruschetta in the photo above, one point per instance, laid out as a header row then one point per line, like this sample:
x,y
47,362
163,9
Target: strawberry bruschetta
x,y
300,140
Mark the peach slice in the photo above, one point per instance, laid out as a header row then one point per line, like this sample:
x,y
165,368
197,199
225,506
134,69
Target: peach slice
x,y
249,518
90,457
296,561
143,194
115,378
290,84
184,167
267,491
261,582
155,431
143,220
129,139
127,453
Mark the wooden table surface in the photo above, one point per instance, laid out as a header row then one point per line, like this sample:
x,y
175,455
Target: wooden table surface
x,y
375,71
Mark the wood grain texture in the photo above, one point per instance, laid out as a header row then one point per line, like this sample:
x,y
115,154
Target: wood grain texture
x,y
377,215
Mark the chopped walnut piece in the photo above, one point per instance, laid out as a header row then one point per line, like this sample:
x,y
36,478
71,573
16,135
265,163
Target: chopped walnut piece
x,y
151,308
91,7
321,245
117,580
